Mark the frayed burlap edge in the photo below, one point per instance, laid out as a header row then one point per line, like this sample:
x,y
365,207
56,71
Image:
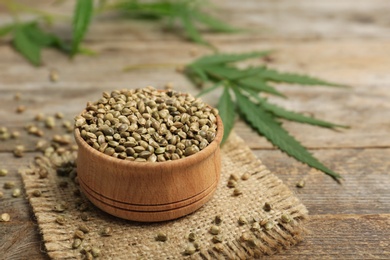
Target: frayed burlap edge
x,y
131,240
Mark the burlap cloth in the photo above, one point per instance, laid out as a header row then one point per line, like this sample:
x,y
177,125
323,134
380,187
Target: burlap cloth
x,y
132,240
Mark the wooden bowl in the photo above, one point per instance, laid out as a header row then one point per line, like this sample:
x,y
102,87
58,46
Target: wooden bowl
x,y
146,191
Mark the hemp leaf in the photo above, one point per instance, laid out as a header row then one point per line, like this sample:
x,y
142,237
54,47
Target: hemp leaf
x,y
30,42
29,39
186,12
248,85
81,20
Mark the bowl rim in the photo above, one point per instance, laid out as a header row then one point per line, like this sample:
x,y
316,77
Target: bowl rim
x,y
190,160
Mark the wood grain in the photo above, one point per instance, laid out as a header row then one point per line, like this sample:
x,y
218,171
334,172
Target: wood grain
x,y
344,41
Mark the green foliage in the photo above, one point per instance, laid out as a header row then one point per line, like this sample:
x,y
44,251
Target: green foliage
x,y
26,46
29,39
265,124
248,85
188,13
226,108
29,43
223,58
81,20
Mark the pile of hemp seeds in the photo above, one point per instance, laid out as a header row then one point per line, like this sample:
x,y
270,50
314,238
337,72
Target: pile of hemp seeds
x,y
148,125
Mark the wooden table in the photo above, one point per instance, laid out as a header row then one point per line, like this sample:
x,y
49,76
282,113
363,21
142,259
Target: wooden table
x,y
345,41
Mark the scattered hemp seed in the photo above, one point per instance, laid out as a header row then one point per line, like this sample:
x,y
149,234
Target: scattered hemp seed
x,y
168,86
300,184
37,193
106,232
50,122
269,225
218,247
95,252
9,185
33,130
218,219
76,243
251,242
234,177
217,239
190,249
39,117
196,245
15,135
267,207
180,69
79,234
61,220
5,217
59,115
20,109
88,256
3,172
285,218
245,176
84,216
41,145
17,96
60,207
62,139
255,226
161,237
232,183
85,249
16,193
4,134
214,230
242,221
19,151
245,237
263,222
53,75
84,228
194,52
43,173
192,237
237,192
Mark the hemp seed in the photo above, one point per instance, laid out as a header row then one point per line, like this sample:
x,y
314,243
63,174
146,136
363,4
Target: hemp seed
x,y
3,172
16,193
214,230
5,217
161,237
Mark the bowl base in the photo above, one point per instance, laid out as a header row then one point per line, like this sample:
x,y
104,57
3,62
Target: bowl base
x,y
148,213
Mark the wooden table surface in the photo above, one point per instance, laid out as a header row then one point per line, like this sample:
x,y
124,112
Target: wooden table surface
x,y
345,41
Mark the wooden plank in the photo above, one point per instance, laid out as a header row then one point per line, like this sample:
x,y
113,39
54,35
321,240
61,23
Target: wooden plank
x,y
342,41
356,107
18,208
344,237
303,19
21,241
364,189
20,236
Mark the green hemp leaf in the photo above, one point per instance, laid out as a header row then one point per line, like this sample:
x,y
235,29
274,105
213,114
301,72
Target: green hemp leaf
x,y
81,20
29,39
248,85
185,12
